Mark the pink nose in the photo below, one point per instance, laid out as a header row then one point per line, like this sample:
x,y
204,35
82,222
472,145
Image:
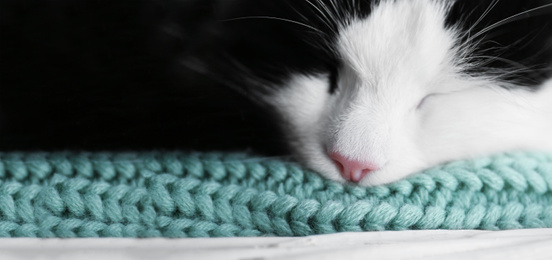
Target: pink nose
x,y
352,170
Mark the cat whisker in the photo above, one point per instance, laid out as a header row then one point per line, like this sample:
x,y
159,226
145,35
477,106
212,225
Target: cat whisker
x,y
273,18
332,15
322,16
491,6
489,59
510,19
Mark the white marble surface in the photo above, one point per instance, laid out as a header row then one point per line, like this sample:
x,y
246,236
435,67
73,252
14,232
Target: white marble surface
x,y
431,244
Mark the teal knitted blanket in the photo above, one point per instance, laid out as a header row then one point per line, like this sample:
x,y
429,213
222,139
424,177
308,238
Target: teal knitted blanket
x,y
173,194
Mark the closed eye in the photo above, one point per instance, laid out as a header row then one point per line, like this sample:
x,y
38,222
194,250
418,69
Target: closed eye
x,y
421,103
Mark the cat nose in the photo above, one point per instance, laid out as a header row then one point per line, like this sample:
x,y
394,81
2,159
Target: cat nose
x,y
352,170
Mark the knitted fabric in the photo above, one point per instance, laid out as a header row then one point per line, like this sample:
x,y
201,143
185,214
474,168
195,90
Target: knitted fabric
x,y
172,194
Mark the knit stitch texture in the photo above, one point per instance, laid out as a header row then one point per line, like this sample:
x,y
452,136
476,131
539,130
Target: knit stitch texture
x,y
174,194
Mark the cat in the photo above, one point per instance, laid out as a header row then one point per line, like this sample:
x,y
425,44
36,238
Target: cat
x,y
366,92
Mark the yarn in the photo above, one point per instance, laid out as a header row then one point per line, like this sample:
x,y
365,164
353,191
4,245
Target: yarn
x,y
176,194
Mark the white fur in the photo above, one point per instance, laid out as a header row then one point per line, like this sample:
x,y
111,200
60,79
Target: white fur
x,y
392,60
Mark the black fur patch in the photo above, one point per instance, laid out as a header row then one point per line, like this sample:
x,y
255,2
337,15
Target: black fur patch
x,y
257,44
517,44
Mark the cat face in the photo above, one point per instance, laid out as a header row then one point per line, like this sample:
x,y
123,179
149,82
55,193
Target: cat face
x,y
374,91
391,72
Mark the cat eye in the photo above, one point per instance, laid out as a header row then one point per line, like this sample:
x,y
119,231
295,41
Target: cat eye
x,y
333,79
421,103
